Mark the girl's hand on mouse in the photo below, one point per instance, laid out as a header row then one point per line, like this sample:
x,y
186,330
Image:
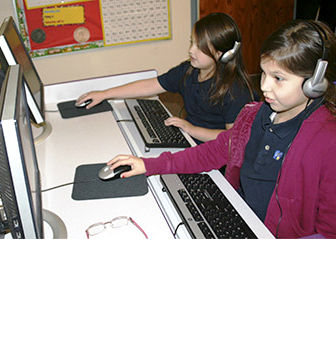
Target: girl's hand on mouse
x,y
181,123
136,163
96,96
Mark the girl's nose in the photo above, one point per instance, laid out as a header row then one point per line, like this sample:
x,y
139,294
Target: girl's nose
x,y
192,48
264,83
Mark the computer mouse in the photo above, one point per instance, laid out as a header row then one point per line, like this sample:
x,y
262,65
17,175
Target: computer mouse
x,y
106,173
83,104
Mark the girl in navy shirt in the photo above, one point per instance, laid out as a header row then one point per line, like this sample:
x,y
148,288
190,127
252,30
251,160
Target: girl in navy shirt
x,y
214,83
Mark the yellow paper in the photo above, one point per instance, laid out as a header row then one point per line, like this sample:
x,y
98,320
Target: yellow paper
x,y
32,4
57,16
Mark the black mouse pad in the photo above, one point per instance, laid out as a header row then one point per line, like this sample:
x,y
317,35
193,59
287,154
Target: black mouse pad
x,y
88,186
69,110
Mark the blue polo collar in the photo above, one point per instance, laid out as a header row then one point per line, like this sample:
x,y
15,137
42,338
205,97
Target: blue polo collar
x,y
284,129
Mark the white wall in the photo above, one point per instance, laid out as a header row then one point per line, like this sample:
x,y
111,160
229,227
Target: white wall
x,y
159,55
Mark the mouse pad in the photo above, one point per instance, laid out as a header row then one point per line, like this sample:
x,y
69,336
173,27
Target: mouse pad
x,y
69,110
88,186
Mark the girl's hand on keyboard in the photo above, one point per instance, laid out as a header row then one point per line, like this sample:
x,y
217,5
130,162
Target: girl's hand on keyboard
x,y
200,133
180,123
136,163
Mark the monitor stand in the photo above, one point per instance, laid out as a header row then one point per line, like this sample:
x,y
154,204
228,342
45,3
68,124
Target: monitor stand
x,y
41,132
56,224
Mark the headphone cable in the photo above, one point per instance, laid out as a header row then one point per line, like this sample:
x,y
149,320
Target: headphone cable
x,y
175,232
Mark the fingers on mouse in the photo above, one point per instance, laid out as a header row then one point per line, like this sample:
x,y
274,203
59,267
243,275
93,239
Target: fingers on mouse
x,y
106,173
83,104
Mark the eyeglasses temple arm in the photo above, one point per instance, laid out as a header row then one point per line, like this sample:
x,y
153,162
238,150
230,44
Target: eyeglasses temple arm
x,y
134,223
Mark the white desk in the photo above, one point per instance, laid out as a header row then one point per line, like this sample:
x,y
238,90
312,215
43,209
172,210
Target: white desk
x,y
88,140
97,138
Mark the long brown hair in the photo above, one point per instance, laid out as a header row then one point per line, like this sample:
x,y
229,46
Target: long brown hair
x,y
297,46
219,32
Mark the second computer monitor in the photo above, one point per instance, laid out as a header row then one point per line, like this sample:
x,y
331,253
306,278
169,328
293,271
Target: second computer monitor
x,y
13,51
20,186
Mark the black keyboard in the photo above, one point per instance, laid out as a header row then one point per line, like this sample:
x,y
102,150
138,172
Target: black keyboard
x,y
205,210
149,117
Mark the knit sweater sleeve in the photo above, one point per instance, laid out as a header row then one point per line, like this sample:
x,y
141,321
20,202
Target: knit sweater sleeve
x,y
212,154
204,157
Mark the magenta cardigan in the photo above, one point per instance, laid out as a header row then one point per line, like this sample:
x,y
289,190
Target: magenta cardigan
x,y
307,186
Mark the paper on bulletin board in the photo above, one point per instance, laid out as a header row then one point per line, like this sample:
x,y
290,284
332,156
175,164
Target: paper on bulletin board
x,y
128,21
30,4
56,16
55,26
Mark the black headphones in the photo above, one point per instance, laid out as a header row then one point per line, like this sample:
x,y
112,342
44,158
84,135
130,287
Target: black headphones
x,y
317,85
228,55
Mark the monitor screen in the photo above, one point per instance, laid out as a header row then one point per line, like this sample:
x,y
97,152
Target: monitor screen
x,y
20,187
13,51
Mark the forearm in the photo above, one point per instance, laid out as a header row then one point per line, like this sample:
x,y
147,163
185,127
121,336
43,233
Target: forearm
x,y
204,157
202,134
141,88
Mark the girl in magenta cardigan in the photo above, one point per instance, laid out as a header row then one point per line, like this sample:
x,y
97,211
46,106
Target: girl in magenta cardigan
x,y
280,154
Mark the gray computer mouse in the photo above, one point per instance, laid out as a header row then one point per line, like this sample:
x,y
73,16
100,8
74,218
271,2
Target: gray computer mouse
x,y
83,104
106,173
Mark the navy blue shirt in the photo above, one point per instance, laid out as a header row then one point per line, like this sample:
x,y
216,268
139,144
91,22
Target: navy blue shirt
x,y
264,154
196,98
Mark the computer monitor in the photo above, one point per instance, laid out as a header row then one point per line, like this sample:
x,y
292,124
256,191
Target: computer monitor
x,y
13,51
20,187
2,77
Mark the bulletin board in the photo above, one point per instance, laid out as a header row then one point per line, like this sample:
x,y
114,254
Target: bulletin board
x,y
51,27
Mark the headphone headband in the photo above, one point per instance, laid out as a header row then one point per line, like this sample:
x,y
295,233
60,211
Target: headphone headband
x,y
324,38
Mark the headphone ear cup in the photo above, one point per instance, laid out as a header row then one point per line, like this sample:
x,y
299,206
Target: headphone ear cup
x,y
316,85
314,91
228,55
